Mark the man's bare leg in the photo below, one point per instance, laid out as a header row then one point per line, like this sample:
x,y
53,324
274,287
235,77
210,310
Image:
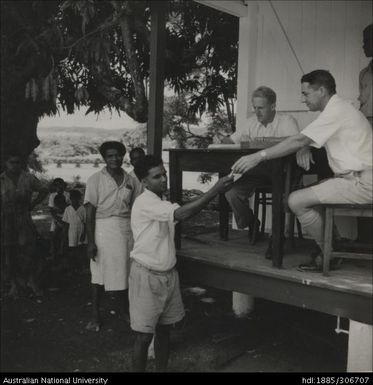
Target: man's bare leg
x,y
162,347
140,351
95,323
302,203
121,304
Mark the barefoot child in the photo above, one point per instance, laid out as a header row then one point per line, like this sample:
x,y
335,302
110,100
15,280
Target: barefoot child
x,y
60,204
74,219
58,188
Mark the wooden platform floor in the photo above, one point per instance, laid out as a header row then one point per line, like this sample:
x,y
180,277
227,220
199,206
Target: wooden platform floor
x,y
236,265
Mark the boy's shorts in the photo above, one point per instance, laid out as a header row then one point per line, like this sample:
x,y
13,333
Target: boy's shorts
x,y
154,298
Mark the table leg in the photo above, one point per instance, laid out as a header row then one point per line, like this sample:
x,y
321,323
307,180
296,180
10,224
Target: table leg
x,y
223,215
176,186
277,213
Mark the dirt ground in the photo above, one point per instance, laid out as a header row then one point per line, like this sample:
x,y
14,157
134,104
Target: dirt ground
x,y
48,335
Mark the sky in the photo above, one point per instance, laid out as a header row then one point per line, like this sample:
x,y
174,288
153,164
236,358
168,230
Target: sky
x,y
105,119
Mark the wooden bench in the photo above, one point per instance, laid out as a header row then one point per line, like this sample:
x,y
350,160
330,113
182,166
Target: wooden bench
x,y
332,210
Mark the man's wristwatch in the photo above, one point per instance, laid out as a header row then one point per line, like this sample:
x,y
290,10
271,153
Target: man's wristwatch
x,y
263,154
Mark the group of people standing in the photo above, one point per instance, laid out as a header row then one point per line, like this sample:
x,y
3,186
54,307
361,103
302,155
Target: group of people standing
x,y
130,231
130,226
125,217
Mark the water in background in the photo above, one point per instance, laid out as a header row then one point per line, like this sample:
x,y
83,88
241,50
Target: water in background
x,y
69,172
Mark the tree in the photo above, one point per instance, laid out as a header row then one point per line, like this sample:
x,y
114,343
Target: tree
x,y
96,53
203,52
177,119
79,52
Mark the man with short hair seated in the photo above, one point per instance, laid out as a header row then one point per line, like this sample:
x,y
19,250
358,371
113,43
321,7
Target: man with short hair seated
x,y
347,137
266,122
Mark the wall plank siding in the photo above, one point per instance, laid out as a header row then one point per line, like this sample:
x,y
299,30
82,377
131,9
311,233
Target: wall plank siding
x,y
324,34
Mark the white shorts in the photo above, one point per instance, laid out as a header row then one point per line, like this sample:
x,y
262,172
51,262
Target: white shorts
x,y
354,188
154,298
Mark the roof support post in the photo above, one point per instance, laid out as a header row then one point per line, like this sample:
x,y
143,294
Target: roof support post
x,y
156,83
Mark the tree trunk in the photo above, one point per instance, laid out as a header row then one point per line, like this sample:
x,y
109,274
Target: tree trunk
x,y
140,108
229,112
19,120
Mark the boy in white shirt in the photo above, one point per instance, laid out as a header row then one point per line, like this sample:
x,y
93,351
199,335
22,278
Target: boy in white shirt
x,y
74,219
154,293
59,189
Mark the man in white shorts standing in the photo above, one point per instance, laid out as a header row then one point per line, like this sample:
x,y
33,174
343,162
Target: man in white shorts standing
x,y
154,293
347,137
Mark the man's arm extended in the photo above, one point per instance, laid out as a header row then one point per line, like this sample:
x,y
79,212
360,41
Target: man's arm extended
x,y
286,147
192,208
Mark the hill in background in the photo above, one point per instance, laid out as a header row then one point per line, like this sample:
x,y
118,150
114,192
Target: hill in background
x,y
73,144
79,131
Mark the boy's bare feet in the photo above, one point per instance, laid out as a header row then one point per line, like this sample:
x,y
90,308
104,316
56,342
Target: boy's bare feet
x,y
93,326
36,291
13,293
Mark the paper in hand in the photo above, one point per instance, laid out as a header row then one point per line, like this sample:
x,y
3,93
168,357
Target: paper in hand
x,y
235,176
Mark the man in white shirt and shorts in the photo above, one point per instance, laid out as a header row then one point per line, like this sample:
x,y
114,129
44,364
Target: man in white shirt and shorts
x,y
347,137
154,292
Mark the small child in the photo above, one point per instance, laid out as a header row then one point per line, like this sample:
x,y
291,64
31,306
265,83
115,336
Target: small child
x,y
136,154
59,189
59,238
74,219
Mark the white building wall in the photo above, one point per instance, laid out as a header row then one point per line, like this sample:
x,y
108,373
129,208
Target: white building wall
x,y
323,34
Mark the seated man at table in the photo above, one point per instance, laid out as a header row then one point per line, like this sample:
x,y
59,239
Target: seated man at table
x,y
347,137
266,122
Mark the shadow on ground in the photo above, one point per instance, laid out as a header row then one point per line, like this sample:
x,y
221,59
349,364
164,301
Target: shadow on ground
x,y
48,334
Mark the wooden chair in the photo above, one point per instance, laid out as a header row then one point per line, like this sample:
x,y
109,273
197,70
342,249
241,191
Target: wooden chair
x,y
332,210
263,196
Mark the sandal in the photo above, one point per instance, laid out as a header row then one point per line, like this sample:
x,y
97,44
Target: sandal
x,y
310,267
317,267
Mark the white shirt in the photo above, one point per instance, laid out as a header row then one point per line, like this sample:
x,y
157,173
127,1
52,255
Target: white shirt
x,y
281,126
76,220
52,206
153,229
346,135
110,199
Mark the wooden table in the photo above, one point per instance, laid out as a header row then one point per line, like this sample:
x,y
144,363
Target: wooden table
x,y
220,161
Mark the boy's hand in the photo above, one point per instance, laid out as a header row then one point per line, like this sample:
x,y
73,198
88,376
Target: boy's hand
x,y
224,184
92,251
